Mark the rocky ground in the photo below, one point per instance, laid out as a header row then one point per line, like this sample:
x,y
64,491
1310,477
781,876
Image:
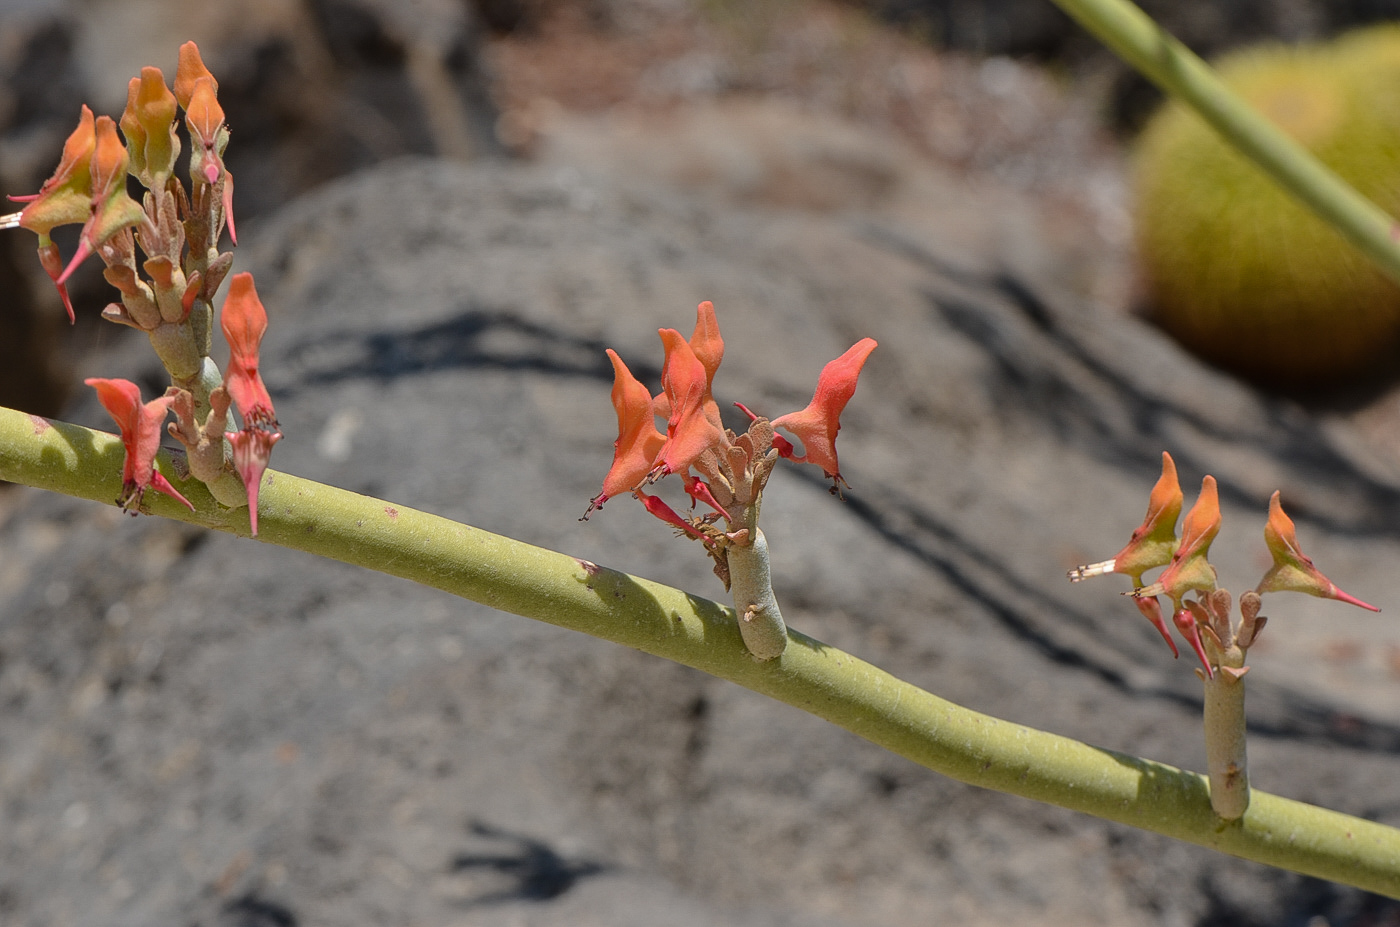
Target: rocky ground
x,y
198,729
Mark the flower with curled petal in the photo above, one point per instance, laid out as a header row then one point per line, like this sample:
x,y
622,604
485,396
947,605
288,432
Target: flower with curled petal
x,y
816,426
140,426
88,187
638,440
1293,571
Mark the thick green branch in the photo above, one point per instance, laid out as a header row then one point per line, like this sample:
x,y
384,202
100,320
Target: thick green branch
x,y
1139,41
810,675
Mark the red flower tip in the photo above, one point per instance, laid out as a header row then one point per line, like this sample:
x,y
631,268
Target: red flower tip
x,y
699,491
52,262
227,199
1185,622
1152,610
1154,541
251,449
638,440
658,507
244,320
816,426
1293,571
690,430
140,427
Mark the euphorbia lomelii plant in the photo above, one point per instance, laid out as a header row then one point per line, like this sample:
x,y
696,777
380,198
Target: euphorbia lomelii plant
x,y
1204,622
732,469
177,232
169,296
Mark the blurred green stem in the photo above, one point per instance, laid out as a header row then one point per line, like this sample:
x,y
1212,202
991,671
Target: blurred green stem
x,y
1173,67
571,593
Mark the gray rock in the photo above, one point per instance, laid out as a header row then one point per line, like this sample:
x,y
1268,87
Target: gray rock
x,y
201,729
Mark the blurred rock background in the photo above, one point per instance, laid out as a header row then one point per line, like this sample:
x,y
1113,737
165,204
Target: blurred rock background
x,y
451,210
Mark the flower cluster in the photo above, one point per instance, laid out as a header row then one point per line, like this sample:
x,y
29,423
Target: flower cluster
x,y
729,470
168,292
1204,621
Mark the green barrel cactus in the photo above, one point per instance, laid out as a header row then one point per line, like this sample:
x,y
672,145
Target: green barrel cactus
x,y
1235,268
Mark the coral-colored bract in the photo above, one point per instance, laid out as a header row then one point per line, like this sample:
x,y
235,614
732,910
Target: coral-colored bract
x,y
1204,622
1292,570
162,256
732,469
244,320
638,440
140,426
816,425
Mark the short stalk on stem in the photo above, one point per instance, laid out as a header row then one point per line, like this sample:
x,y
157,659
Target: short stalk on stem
x,y
1226,763
750,578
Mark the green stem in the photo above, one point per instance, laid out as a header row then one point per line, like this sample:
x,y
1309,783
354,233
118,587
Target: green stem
x,y
1139,41
1226,762
571,593
750,581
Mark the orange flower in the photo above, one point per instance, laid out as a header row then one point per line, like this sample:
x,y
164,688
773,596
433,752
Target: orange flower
x,y
66,197
693,427
1154,542
816,426
197,91
89,186
1292,570
706,342
189,71
638,440
1189,569
140,427
244,320
148,122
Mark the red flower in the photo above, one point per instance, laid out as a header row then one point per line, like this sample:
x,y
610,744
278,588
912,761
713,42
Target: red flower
x,y
816,426
244,320
140,427
1292,570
